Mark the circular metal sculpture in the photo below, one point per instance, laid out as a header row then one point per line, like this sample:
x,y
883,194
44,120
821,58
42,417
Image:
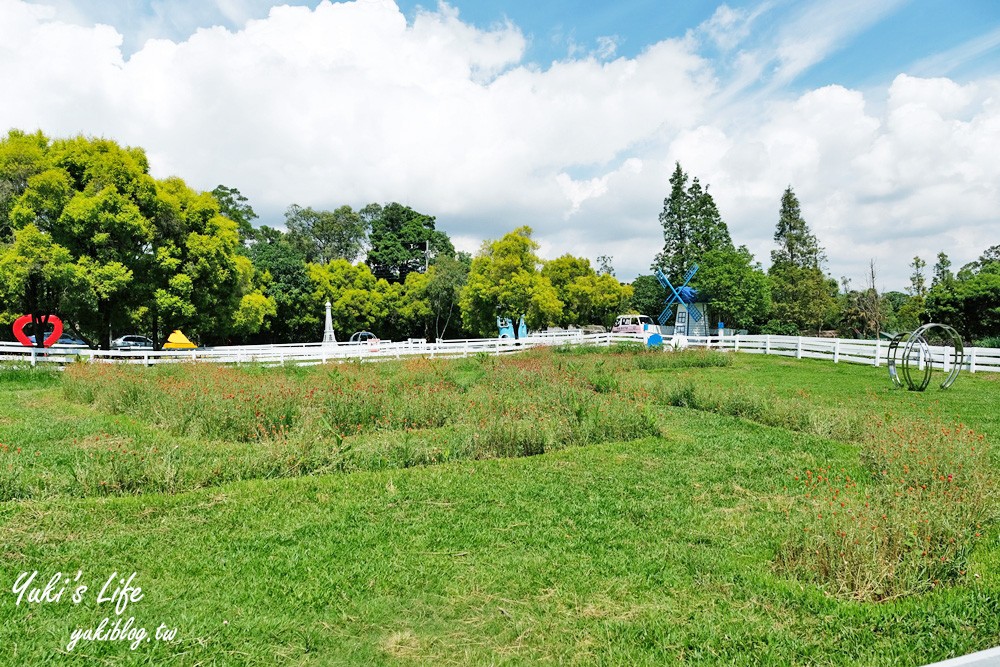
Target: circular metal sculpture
x,y
916,348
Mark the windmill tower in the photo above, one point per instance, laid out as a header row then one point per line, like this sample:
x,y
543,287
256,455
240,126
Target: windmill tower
x,y
690,320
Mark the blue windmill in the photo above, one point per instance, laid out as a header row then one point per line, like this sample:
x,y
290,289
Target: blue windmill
x,y
682,294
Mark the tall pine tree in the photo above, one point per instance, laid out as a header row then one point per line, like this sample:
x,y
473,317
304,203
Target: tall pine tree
x,y
796,244
674,219
692,226
802,295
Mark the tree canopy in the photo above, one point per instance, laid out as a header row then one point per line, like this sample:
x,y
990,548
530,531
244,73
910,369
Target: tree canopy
x,y
796,244
692,227
150,253
802,294
505,281
323,236
971,301
89,235
402,241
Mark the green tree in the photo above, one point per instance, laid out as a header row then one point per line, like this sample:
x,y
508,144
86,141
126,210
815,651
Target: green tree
x,y
282,268
446,278
802,295
675,256
236,207
735,287
203,280
588,298
899,315
803,298
37,278
918,282
863,313
970,303
796,244
909,313
942,274
402,241
97,200
356,297
323,236
692,227
707,230
596,299
504,281
562,273
21,157
151,253
648,296
406,307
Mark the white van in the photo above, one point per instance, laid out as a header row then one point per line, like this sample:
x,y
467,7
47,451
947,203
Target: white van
x,y
634,324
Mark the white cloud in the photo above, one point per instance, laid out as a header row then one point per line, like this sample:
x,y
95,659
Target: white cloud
x,y
824,26
728,27
350,103
607,46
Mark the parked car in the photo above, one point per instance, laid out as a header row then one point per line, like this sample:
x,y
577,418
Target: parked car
x,y
634,324
132,342
69,339
65,339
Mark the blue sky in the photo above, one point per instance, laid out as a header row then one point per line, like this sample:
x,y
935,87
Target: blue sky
x,y
566,116
908,33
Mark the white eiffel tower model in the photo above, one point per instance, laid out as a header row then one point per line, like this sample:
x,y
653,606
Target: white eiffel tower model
x,y
328,336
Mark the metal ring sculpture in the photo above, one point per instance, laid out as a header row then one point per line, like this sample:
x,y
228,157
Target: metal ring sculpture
x,y
918,339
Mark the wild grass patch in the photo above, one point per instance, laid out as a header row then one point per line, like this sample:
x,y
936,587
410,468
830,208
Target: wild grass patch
x,y
27,376
351,416
904,524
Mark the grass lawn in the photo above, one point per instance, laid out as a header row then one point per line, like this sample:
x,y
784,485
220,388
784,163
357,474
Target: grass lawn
x,y
612,508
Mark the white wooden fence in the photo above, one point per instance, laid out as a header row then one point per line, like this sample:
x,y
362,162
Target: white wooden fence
x,y
869,352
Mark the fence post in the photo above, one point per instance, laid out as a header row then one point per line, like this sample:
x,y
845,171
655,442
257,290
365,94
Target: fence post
x,y
946,362
878,351
767,344
736,343
798,348
972,360
33,355
836,351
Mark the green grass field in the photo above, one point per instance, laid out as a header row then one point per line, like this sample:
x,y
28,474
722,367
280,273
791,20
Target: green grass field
x,y
553,507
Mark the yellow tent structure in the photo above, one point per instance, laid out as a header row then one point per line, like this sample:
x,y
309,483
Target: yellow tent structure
x,y
178,341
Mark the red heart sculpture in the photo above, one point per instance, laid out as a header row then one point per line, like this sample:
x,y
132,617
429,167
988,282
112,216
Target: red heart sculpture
x,y
21,322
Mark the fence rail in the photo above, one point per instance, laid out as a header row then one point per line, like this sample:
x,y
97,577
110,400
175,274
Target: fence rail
x,y
869,352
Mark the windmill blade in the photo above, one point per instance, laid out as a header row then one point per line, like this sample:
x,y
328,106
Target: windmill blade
x,y
662,279
694,313
665,315
690,274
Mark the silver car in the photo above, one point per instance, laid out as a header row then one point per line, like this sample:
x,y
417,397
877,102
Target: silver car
x,y
132,343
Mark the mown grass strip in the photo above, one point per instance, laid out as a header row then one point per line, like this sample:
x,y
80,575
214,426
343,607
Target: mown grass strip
x,y
637,553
